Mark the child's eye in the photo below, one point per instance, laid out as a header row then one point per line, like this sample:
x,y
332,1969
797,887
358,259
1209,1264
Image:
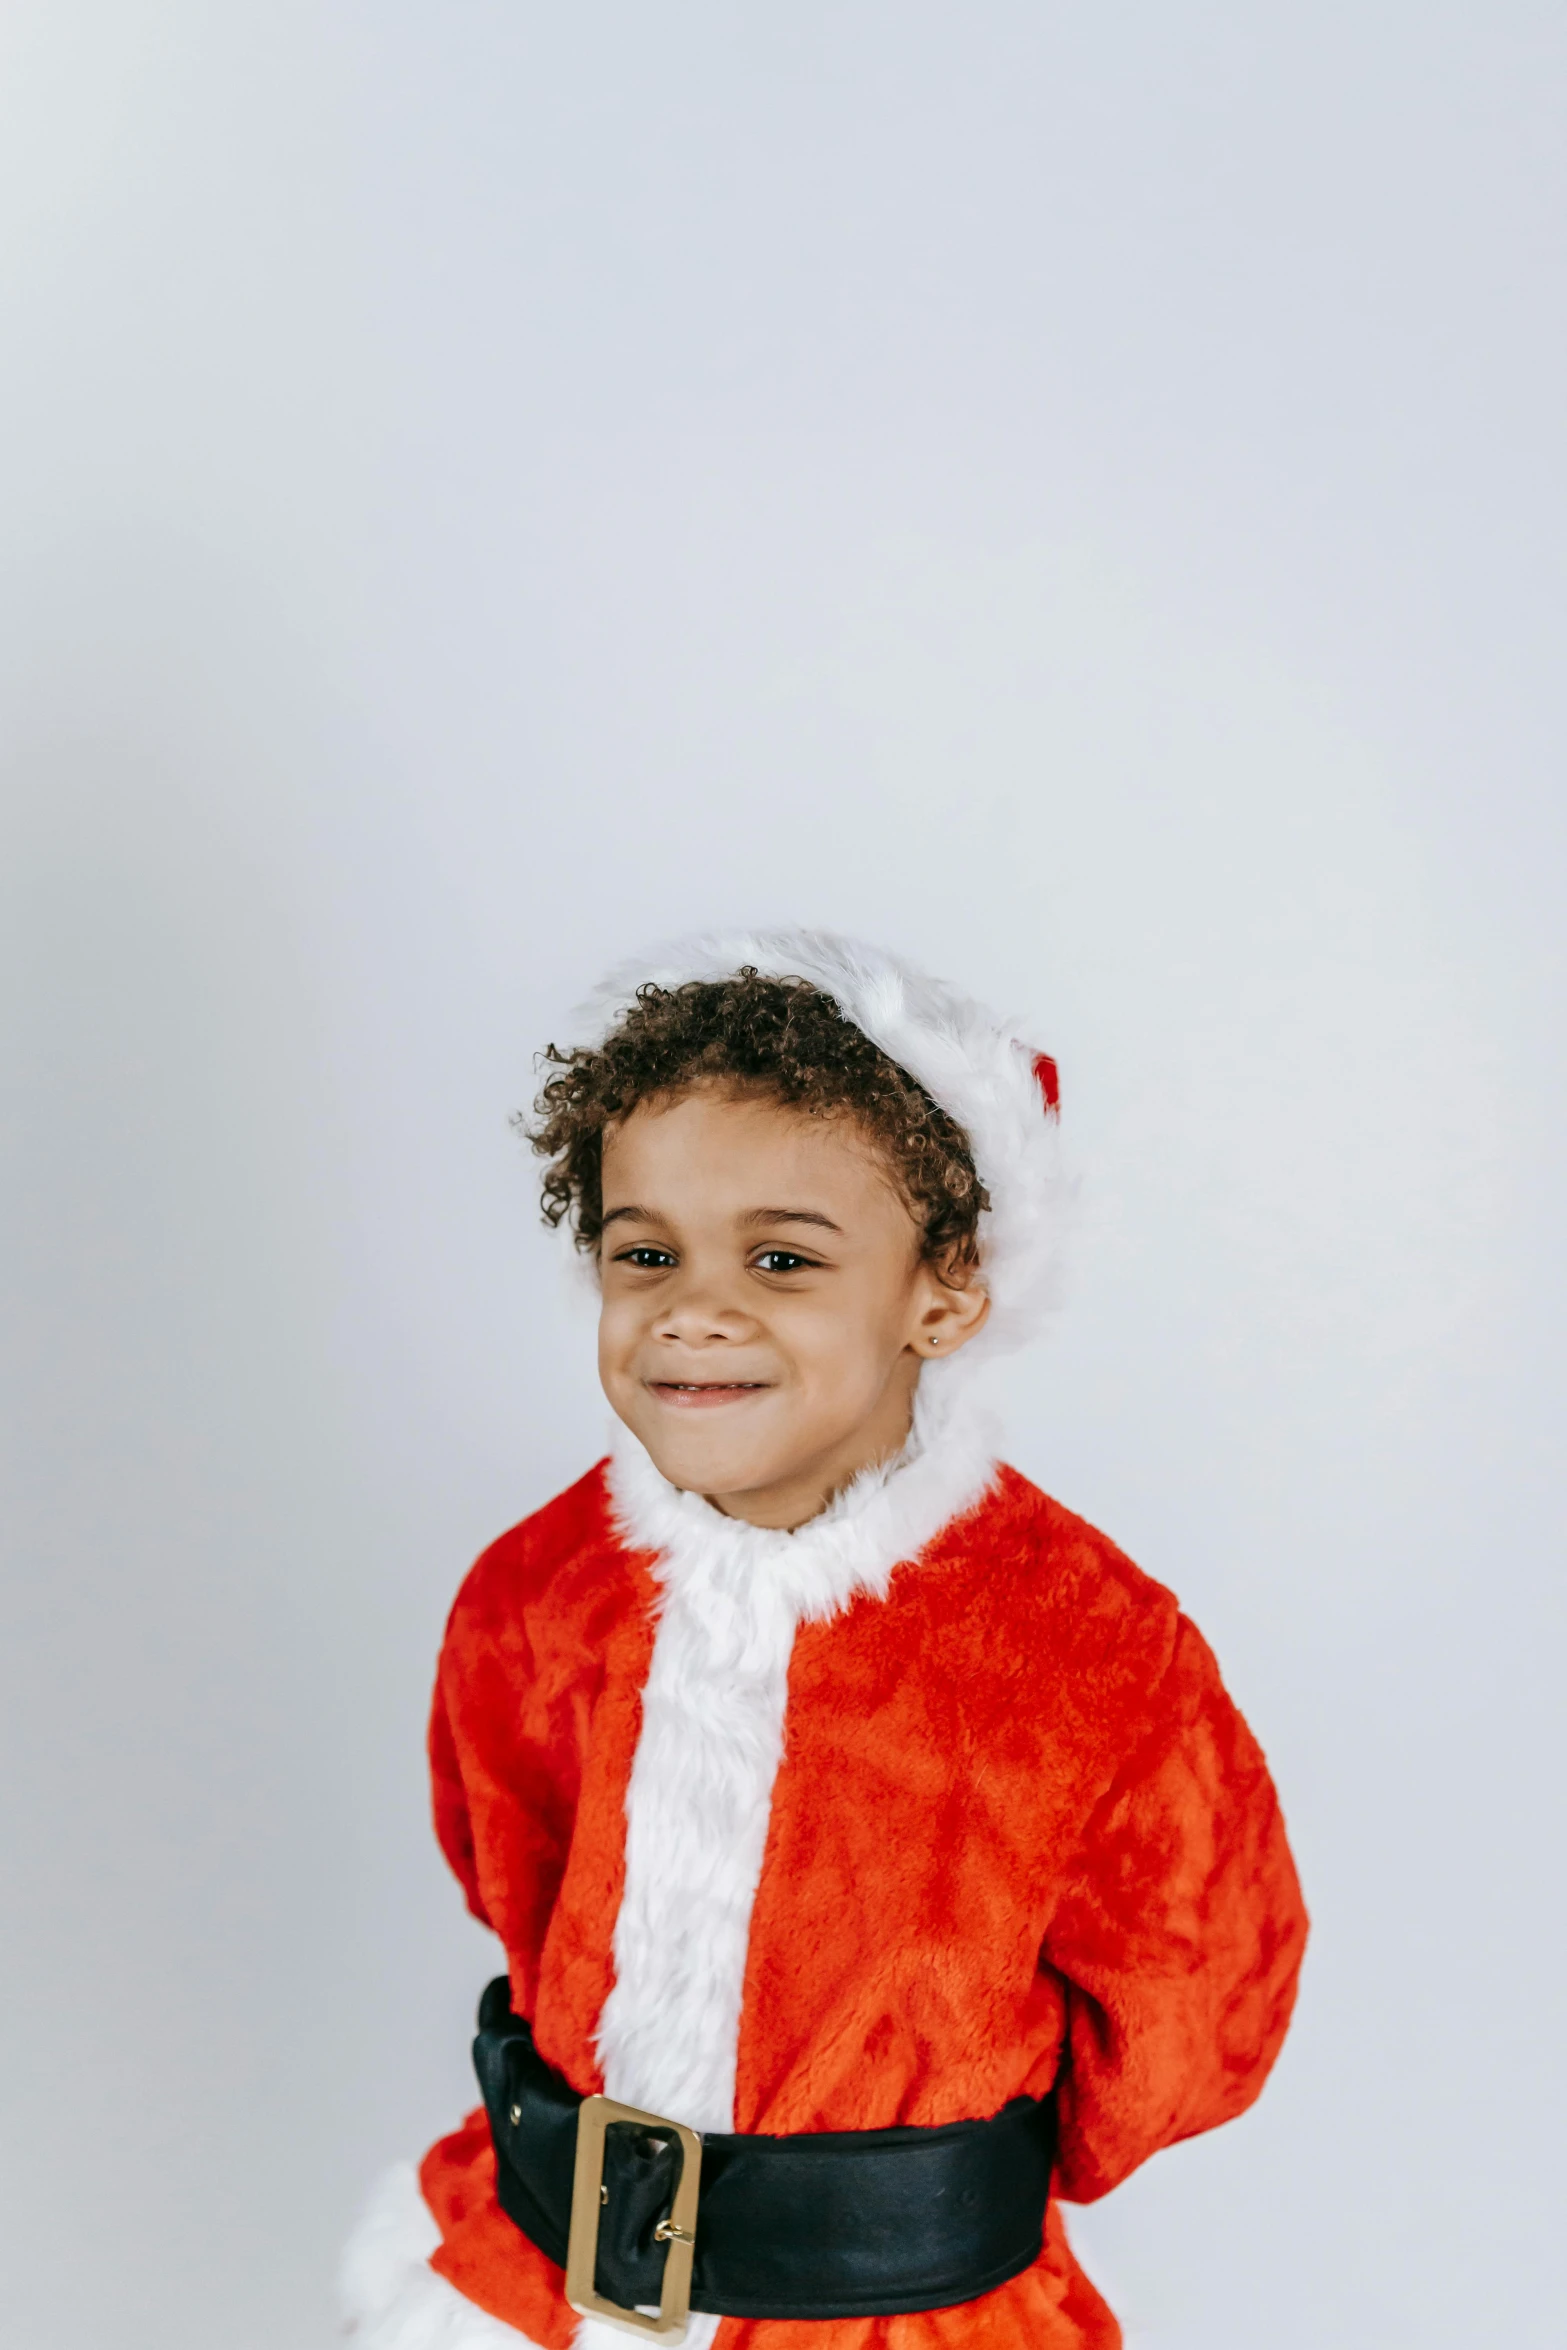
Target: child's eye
x,y
649,1260
780,1260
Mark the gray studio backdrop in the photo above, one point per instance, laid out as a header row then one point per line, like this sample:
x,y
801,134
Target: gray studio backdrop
x,y
1073,492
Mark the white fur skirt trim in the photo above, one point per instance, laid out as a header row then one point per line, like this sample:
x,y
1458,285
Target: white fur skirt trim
x,y
390,2296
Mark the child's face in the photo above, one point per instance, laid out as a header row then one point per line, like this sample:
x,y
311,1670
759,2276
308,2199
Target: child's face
x,y
766,1308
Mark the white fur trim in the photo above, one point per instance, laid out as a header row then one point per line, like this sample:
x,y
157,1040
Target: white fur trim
x,y
390,2296
980,1069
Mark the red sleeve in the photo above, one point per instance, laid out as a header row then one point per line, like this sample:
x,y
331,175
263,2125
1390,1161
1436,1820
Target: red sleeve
x,y
1178,1940
453,1824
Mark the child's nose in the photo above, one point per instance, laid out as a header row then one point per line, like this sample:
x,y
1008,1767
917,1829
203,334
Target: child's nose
x,y
701,1309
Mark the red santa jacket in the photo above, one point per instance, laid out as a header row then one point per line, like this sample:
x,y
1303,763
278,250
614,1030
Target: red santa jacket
x,y
937,1801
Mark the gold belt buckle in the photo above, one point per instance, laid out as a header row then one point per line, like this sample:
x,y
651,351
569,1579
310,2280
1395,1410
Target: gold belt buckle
x,y
678,2231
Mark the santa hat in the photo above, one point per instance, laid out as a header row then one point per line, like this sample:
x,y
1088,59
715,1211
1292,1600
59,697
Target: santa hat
x,y
980,1070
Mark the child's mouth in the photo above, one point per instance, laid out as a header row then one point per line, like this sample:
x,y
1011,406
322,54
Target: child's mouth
x,y
701,1394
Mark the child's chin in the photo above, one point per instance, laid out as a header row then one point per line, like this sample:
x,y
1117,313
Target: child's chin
x,y
698,1467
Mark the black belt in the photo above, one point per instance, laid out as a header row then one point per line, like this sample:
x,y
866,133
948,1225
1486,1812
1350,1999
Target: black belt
x,y
823,2223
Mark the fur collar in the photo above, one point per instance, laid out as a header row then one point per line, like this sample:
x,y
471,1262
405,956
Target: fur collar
x,y
888,1514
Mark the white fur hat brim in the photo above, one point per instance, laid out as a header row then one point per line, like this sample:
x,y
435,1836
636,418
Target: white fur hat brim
x,y
980,1070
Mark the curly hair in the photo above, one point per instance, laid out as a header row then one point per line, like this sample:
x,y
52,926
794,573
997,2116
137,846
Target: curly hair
x,y
780,1038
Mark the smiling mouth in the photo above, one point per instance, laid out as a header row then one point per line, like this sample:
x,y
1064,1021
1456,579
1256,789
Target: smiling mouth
x,y
694,1394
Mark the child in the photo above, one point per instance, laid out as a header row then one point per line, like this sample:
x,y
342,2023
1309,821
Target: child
x,y
837,1796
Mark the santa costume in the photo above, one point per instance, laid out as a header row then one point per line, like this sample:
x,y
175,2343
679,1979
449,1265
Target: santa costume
x,y
931,1812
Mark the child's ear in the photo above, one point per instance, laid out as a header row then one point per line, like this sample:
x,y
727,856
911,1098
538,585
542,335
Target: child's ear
x,y
952,1305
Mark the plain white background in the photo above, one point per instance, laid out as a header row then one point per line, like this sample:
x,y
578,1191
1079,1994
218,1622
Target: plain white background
x,y
1072,492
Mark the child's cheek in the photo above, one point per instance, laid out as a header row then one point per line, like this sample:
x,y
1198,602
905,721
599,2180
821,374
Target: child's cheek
x,y
616,1337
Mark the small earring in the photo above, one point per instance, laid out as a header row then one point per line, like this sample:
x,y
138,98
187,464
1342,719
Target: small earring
x,y
934,1340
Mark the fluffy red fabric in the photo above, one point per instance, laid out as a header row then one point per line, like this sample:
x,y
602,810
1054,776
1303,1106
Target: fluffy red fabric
x,y
1020,1836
